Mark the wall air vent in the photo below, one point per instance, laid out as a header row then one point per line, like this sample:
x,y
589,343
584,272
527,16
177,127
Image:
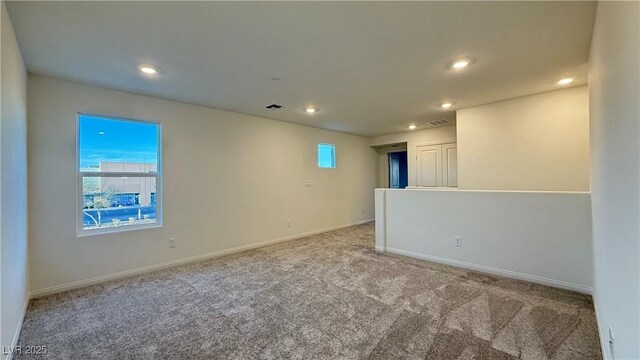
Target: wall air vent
x,y
439,122
274,107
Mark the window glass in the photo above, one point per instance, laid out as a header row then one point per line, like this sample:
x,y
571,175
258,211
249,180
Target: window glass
x,y
118,202
326,156
118,173
114,145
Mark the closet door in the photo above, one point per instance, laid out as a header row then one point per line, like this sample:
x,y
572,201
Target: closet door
x,y
450,165
429,165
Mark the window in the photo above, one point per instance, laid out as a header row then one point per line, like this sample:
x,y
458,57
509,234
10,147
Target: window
x,y
119,174
326,156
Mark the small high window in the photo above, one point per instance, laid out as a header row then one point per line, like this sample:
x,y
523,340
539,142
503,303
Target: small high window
x,y
119,181
326,156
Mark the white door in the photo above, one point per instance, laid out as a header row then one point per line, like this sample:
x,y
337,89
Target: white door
x,y
450,165
437,165
429,169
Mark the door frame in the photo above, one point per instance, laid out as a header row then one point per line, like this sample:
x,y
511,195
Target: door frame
x,y
385,163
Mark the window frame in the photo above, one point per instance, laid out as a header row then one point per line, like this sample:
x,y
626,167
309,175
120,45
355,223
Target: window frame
x,y
333,156
80,231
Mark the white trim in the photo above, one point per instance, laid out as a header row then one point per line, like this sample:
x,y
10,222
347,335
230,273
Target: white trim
x,y
381,220
436,142
495,271
80,231
172,263
118,174
442,188
118,229
16,336
603,347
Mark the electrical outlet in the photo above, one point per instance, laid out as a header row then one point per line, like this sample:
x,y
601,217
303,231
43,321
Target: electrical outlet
x,y
611,343
308,183
288,223
362,211
172,242
457,241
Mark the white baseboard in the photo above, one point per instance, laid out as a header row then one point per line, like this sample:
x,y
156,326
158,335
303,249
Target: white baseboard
x,y
145,269
16,336
492,270
603,344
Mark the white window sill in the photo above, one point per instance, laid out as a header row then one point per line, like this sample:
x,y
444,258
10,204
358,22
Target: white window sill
x,y
120,229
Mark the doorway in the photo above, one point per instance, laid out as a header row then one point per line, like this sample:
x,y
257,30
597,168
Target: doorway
x,y
398,170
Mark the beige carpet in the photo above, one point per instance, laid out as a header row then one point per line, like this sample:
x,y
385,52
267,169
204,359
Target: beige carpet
x,y
323,297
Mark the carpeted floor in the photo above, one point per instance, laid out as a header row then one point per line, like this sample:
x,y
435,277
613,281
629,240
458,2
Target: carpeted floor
x,y
326,296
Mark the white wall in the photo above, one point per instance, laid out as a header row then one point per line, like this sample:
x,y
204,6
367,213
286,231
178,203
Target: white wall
x,y
229,180
13,188
439,135
543,237
615,174
538,142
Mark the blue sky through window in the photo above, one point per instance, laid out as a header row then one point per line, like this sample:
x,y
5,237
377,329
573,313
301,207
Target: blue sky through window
x,y
108,139
326,156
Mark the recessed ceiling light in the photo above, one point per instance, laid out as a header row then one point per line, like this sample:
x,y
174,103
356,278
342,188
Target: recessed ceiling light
x,y
310,110
446,105
460,64
565,81
412,127
148,70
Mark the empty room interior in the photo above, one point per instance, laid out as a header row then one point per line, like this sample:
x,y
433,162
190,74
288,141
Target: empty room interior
x,y
320,180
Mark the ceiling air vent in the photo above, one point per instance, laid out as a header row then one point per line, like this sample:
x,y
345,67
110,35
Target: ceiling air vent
x,y
438,122
274,106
